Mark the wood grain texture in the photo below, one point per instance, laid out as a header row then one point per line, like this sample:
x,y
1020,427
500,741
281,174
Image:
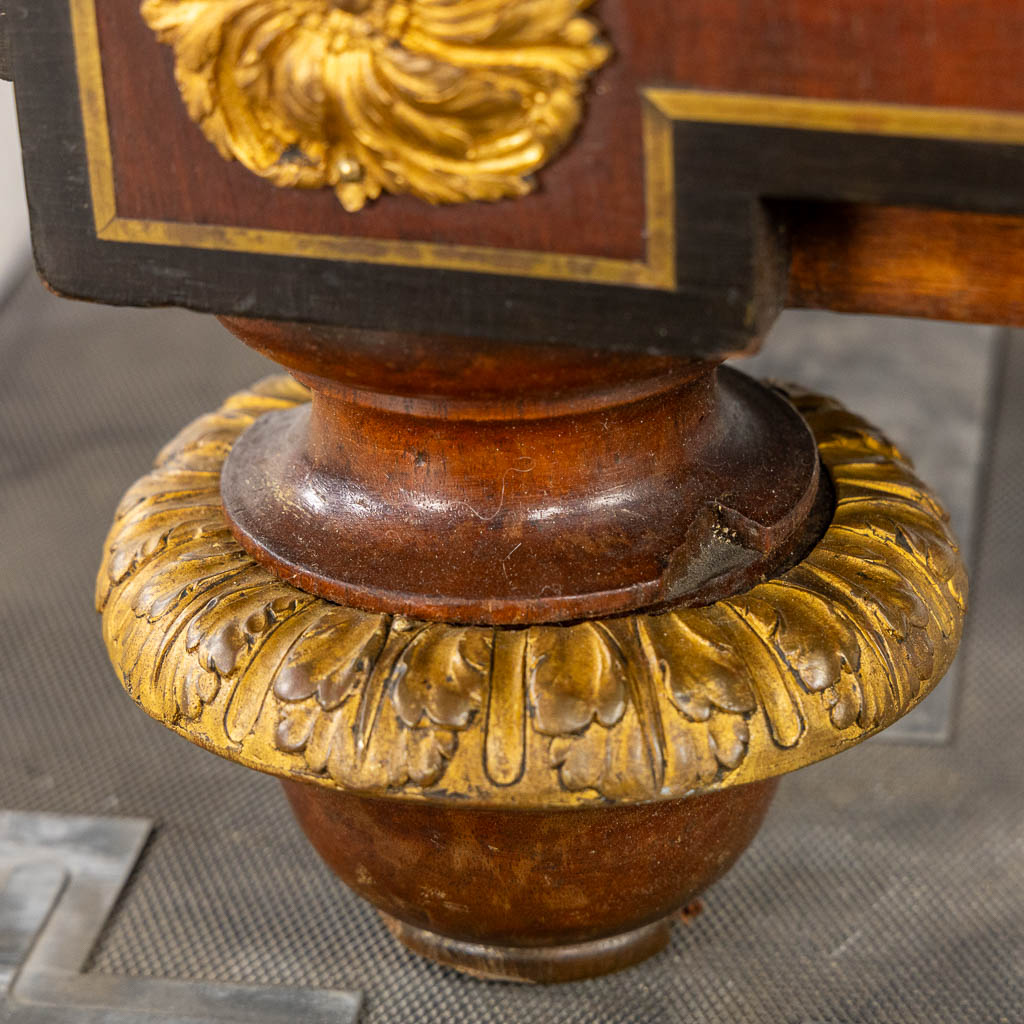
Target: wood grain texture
x,y
909,262
566,485
513,895
932,54
175,174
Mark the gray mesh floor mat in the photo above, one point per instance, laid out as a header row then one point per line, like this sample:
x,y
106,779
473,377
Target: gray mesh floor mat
x,y
887,885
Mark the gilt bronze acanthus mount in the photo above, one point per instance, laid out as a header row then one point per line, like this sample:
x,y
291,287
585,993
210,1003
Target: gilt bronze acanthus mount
x,y
635,708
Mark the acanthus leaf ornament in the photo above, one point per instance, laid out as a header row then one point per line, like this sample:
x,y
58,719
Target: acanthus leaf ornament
x,y
636,708
451,101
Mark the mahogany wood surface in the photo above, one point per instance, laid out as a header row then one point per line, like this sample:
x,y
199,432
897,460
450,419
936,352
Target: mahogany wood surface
x,y
942,265
518,484
514,881
946,53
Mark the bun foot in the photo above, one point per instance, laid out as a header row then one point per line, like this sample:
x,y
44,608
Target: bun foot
x,y
538,896
540,965
533,803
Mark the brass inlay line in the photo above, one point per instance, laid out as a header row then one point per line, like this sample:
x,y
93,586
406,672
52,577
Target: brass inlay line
x,y
94,112
909,122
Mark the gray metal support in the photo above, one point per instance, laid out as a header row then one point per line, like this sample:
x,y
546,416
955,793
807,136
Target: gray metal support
x,y
60,877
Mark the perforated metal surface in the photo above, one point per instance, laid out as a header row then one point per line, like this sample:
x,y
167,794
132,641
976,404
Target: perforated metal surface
x,y
887,885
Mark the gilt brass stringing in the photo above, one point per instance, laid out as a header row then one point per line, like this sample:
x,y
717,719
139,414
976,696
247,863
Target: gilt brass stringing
x,y
631,709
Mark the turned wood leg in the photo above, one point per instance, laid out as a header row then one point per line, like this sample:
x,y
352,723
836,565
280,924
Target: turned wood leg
x,y
524,797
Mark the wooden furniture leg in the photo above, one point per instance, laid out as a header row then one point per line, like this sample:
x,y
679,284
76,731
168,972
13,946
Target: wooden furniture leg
x,y
527,598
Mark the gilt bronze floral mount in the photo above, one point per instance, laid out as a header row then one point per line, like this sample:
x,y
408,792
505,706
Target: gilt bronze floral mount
x,y
449,102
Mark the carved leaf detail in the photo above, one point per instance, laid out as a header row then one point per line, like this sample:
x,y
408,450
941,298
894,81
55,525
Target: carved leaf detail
x,y
797,630
295,724
897,610
223,636
729,735
612,761
435,676
812,647
448,100
574,678
703,671
194,688
845,702
180,489
441,676
139,540
401,756
332,661
697,659
422,757
276,392
204,443
920,545
321,733
333,658
164,592
398,755
578,686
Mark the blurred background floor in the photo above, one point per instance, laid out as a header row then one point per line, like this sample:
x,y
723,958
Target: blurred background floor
x,y
887,885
